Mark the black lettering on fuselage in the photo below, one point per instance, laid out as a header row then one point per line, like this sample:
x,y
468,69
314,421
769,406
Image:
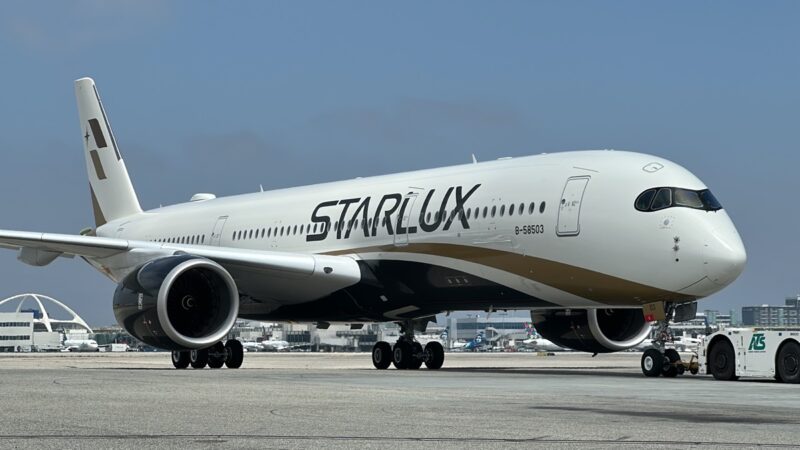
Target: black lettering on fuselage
x,y
388,215
362,208
459,209
346,204
437,216
400,228
405,205
324,220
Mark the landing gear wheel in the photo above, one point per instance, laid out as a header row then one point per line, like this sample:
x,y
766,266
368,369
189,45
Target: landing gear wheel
x,y
198,358
180,359
652,362
434,353
235,354
416,356
402,355
216,355
789,362
722,361
382,355
669,369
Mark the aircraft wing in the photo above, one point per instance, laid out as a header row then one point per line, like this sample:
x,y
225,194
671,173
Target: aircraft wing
x,y
63,244
283,277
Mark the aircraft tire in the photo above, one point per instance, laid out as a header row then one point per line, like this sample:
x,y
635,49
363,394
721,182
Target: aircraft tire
x,y
416,356
669,369
216,355
381,355
722,361
180,359
402,355
235,354
435,353
789,362
652,362
198,358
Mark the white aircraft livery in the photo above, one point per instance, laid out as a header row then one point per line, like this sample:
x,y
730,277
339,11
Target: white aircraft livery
x,y
597,244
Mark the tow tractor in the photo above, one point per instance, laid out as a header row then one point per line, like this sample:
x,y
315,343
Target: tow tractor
x,y
752,352
735,352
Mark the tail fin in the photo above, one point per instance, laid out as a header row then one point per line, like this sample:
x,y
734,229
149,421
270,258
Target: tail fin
x,y
112,192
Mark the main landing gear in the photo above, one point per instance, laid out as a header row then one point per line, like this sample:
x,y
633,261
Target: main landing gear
x,y
407,353
231,355
663,361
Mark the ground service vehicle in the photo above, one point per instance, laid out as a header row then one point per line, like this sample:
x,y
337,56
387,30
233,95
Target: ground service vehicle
x,y
753,352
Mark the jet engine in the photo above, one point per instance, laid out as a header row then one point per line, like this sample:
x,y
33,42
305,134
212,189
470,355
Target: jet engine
x,y
177,303
592,330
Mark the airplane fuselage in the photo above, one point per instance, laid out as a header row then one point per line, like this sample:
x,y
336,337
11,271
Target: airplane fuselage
x,y
546,231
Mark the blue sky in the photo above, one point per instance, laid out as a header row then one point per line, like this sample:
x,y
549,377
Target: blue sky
x,y
223,96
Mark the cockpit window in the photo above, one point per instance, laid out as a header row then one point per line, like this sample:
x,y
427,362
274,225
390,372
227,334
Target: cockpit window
x,y
644,200
655,199
709,201
663,199
685,197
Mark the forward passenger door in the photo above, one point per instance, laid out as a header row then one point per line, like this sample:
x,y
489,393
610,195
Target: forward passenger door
x,y
569,209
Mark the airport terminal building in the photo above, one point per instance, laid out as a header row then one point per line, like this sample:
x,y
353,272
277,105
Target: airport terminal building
x,y
16,331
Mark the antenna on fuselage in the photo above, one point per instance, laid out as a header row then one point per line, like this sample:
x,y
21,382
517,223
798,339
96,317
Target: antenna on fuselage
x,y
474,160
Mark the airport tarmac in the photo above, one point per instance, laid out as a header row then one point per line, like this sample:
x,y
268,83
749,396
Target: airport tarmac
x,y
302,400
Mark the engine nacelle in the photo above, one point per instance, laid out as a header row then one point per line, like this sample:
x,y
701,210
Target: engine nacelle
x,y
177,303
592,330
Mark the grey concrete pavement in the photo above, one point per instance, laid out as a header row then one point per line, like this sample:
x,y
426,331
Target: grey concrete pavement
x,y
301,400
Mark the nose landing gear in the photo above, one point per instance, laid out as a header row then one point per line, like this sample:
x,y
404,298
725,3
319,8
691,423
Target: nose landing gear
x,y
663,361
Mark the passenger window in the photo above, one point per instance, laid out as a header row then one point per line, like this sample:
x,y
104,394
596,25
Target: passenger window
x,y
502,210
294,230
521,209
662,200
511,209
469,213
541,208
494,210
644,200
485,211
531,208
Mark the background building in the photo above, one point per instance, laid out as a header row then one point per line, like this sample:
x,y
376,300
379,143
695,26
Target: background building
x,y
787,314
16,331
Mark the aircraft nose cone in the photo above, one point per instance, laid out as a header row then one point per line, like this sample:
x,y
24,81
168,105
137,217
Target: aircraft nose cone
x,y
725,256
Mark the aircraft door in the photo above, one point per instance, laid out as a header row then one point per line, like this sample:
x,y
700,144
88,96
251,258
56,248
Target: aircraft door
x,y
216,233
569,210
404,223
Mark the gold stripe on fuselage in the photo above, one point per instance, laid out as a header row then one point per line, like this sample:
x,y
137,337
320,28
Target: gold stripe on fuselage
x,y
591,285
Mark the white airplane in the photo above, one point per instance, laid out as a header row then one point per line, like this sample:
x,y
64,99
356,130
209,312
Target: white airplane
x,y
541,344
585,240
251,346
275,346
686,343
80,345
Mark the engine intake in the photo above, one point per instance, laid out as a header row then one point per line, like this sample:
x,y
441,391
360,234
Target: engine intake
x,y
592,330
178,302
